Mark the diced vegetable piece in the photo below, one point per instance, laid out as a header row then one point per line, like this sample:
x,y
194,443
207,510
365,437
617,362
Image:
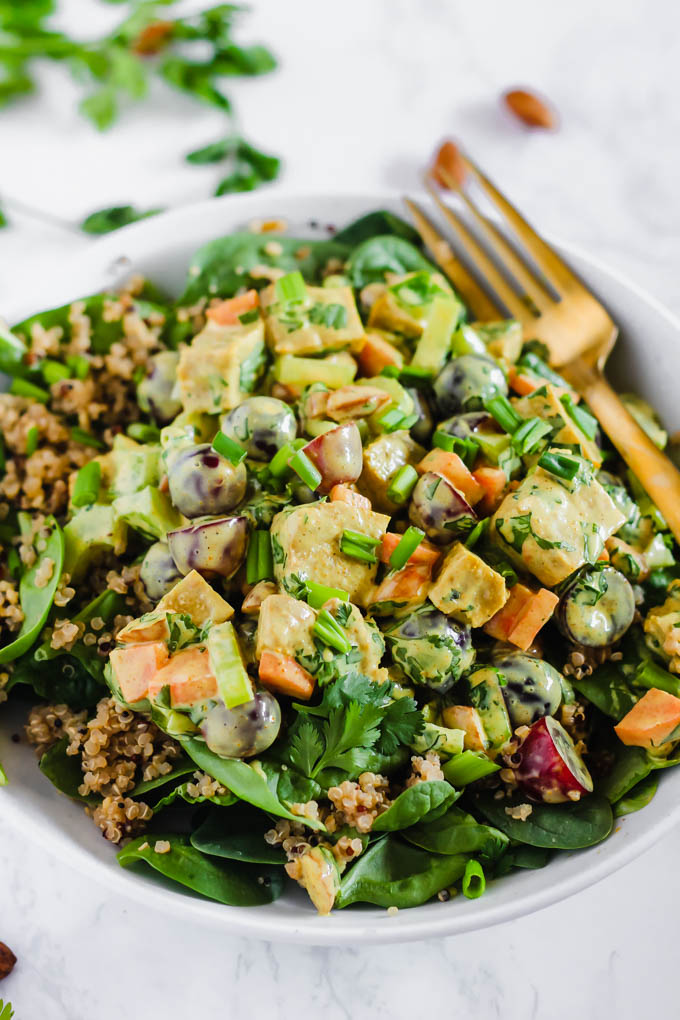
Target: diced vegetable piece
x,y
334,371
281,673
400,588
320,876
464,717
376,354
405,306
440,739
425,554
654,721
150,627
228,313
522,616
467,588
433,346
325,319
454,470
134,668
190,677
382,460
233,683
343,494
493,482
220,366
197,599
522,383
285,625
486,695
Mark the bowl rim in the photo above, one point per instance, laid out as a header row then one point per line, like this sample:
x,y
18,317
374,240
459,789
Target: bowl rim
x,y
311,929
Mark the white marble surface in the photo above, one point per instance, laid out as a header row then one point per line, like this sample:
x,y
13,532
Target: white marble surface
x,y
366,88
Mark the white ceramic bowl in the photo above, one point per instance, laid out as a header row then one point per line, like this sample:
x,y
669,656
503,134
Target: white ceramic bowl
x,y
646,359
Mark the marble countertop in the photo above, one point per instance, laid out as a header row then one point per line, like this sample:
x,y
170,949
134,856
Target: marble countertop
x,y
364,91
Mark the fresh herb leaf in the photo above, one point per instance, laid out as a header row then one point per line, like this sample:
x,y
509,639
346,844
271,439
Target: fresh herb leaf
x,y
103,221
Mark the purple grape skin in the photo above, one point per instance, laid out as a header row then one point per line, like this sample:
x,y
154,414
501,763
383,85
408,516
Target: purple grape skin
x,y
203,482
211,546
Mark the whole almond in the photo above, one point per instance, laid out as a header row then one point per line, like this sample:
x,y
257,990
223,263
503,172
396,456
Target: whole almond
x,y
531,109
7,960
448,165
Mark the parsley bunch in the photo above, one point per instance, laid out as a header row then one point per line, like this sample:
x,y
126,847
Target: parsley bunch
x,y
193,53
356,724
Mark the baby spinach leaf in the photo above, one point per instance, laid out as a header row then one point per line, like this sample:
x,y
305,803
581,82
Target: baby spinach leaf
x,y
181,768
103,221
64,771
63,682
181,790
373,223
237,835
638,797
416,803
528,857
392,873
238,885
567,826
607,689
106,606
36,602
457,832
213,267
631,766
377,256
246,781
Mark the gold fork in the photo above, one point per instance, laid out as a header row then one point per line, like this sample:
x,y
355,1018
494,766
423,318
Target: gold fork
x,y
553,306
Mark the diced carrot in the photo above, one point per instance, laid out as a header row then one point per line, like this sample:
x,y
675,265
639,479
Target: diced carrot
x,y
406,585
537,612
451,467
343,494
522,616
523,385
189,676
652,722
281,673
376,354
227,312
604,555
135,666
426,554
494,482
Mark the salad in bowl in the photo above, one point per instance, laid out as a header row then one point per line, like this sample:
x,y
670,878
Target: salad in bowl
x,y
307,578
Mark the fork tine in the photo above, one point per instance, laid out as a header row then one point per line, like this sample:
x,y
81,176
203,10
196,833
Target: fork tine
x,y
535,291
556,271
486,266
481,306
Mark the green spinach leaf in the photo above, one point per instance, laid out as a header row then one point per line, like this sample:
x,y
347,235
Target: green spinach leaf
x,y
237,835
457,832
374,258
638,797
103,221
416,804
608,689
64,771
393,874
567,826
238,885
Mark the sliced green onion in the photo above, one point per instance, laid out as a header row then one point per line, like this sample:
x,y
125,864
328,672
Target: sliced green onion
x,y
413,375
408,543
474,882
408,421
24,388
403,484
467,767
529,436
53,371
476,533
79,365
279,463
539,367
579,415
143,433
259,562
390,420
502,410
304,469
359,546
319,594
291,287
391,371
32,437
86,439
559,465
86,488
228,448
328,630
467,449
648,674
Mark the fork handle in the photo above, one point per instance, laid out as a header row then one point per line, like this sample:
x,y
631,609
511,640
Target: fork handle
x,y
657,474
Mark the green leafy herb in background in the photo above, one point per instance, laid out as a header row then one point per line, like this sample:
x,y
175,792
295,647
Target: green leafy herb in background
x,y
192,53
6,1011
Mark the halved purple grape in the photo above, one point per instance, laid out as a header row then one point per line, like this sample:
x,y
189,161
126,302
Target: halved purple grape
x,y
210,546
203,482
243,731
440,509
338,455
261,425
550,768
597,608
